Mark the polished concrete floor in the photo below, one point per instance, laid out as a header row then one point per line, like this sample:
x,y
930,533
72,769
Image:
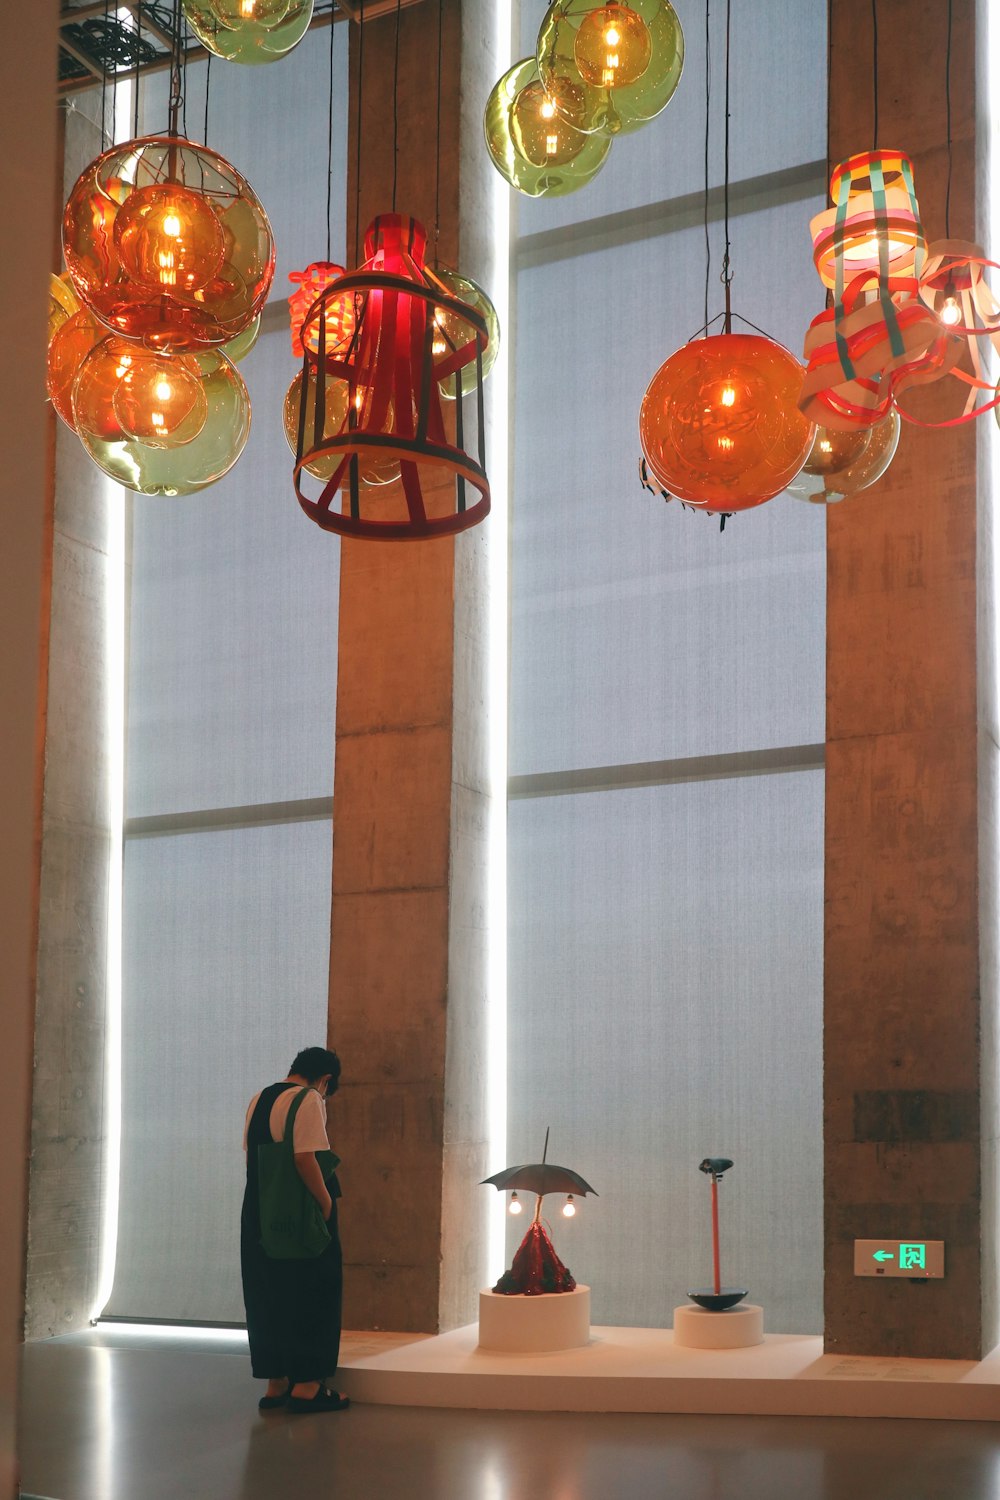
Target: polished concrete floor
x,y
125,1417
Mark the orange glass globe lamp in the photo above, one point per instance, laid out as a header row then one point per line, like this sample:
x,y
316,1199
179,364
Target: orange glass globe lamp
x,y
619,63
157,424
167,243
68,348
719,424
841,463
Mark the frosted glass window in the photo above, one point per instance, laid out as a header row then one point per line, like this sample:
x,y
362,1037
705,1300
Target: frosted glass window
x,y
225,972
639,632
233,645
666,976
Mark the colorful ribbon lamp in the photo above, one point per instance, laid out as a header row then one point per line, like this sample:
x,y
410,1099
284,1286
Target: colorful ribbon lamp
x,y
390,374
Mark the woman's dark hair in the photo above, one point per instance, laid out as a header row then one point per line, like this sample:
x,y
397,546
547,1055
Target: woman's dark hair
x,y
316,1062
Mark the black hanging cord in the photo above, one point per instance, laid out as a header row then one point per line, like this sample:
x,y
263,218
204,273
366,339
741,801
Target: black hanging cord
x,y
947,106
357,143
727,274
875,74
395,107
708,108
176,89
329,148
184,75
208,82
437,151
104,78
138,56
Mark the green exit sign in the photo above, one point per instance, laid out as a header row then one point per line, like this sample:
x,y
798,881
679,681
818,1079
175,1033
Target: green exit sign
x,y
916,1259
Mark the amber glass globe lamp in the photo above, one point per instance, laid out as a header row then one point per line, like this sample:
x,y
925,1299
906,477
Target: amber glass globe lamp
x,y
249,31
68,348
63,302
166,243
841,463
373,470
532,136
719,424
615,65
160,425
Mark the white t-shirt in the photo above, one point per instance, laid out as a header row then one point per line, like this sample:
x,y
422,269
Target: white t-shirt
x,y
310,1122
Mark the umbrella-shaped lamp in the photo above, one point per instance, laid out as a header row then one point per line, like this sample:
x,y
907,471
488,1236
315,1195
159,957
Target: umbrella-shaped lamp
x,y
536,1268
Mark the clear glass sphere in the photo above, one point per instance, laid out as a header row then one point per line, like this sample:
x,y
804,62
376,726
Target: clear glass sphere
x,y
166,243
531,137
114,423
618,64
838,467
249,31
719,424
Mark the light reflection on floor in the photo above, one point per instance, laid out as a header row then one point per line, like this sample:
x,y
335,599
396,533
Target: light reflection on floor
x,y
147,1417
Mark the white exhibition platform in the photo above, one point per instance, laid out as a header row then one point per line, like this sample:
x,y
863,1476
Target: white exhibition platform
x,y
643,1370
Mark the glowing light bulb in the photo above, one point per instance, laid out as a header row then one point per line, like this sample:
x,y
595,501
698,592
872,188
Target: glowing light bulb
x,y
569,1208
725,444
157,401
948,307
728,396
515,1204
825,446
539,132
169,237
172,225
613,46
247,9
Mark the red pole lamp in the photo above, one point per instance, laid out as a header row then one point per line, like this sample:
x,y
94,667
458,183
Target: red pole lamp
x,y
612,67
533,138
385,401
717,1297
166,243
719,425
160,424
249,31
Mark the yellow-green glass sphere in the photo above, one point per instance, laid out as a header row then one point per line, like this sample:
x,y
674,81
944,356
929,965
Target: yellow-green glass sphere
x,y
372,471
249,31
531,137
618,63
450,331
202,400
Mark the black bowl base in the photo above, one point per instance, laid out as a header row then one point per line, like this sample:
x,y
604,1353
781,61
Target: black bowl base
x,y
718,1301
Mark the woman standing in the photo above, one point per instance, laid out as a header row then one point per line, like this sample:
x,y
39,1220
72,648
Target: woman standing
x,y
293,1306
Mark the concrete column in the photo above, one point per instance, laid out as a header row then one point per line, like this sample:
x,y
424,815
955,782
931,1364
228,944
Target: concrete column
x,y
902,959
407,991
27,188
68,1138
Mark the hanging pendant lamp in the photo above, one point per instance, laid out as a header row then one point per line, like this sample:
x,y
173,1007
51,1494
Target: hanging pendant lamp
x,y
338,313
719,424
249,31
450,331
610,68
843,463
393,409
167,243
533,142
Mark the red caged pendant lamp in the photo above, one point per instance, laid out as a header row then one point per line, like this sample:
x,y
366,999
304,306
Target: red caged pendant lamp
x,y
392,371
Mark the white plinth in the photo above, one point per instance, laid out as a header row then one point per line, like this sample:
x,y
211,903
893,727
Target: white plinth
x,y
734,1328
534,1325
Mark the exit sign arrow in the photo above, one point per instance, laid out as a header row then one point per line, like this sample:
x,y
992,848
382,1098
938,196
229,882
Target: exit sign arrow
x,y
881,1255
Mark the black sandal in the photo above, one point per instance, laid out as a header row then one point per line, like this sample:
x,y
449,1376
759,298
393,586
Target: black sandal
x,y
271,1403
323,1400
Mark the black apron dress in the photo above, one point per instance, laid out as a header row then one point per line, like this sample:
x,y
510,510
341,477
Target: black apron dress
x,y
293,1306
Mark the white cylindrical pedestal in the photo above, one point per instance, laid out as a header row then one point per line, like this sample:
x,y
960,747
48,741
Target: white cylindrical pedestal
x,y
534,1325
735,1328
